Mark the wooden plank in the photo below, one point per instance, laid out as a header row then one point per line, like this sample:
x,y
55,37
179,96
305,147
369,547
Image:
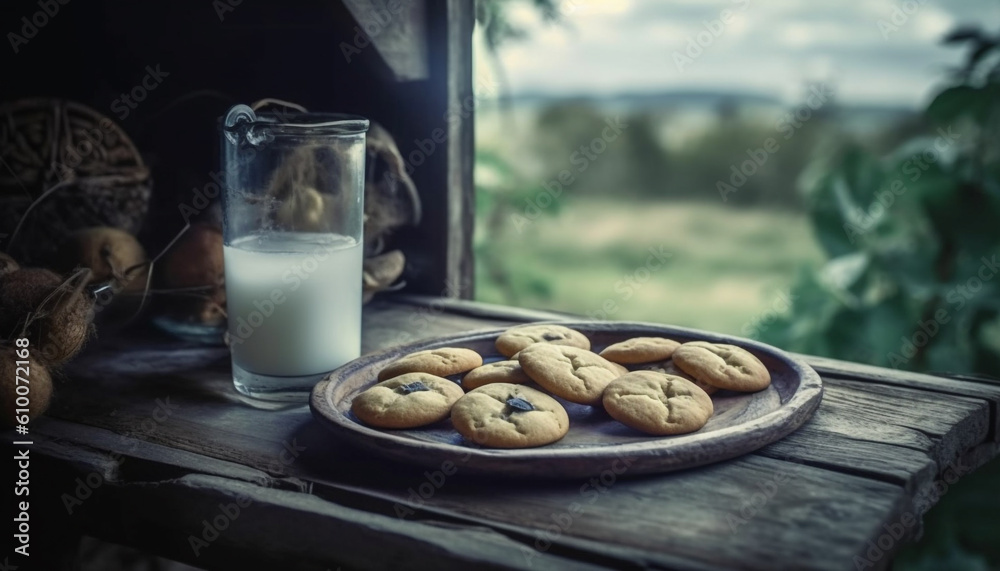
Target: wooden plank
x,y
726,517
895,449
461,149
389,323
213,522
892,434
943,428
439,154
803,517
385,323
482,311
136,460
988,391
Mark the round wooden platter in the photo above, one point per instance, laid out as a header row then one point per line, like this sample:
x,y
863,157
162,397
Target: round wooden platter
x,y
741,423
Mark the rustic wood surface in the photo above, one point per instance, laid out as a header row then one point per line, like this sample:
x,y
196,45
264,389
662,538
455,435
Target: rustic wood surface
x,y
741,422
147,443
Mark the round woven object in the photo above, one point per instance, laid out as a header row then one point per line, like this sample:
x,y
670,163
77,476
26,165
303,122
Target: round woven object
x,y
45,142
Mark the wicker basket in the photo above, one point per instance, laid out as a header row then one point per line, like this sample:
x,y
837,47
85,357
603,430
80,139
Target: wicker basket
x,y
102,178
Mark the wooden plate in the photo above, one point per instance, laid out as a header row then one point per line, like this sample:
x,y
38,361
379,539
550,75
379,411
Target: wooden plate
x,y
742,423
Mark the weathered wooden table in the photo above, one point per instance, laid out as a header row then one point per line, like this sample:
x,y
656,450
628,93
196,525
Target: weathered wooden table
x,y
148,445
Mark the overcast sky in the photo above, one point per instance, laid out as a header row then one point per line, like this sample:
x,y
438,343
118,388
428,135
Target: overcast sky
x,y
768,46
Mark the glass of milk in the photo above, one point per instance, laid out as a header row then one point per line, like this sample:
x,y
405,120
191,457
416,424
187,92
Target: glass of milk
x,y
293,206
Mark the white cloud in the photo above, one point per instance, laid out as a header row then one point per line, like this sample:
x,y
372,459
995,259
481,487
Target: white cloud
x,y
931,23
618,46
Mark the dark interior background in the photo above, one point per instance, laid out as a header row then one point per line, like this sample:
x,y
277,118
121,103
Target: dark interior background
x,y
92,52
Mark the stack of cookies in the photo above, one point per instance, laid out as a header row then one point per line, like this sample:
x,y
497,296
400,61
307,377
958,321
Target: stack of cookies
x,y
652,384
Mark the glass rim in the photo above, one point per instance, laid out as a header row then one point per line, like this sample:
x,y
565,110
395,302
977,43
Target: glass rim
x,y
308,123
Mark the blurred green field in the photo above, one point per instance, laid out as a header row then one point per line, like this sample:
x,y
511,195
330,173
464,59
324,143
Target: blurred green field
x,y
726,265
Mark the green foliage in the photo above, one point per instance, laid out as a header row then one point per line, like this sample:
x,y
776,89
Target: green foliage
x,y
912,238
959,532
508,198
567,134
497,29
710,158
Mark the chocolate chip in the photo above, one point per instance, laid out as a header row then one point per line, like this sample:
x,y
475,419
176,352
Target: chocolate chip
x,y
411,388
519,404
551,336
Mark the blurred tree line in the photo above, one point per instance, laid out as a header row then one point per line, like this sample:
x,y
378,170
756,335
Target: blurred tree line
x,y
643,164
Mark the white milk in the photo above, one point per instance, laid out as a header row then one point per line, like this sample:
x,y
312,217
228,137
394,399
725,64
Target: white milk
x,y
294,302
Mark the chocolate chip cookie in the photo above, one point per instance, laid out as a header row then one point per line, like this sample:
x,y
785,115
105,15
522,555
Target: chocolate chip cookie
x,y
503,415
407,401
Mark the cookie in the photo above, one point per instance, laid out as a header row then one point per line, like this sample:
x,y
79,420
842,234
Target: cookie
x,y
503,415
440,362
574,374
516,338
640,350
724,366
657,403
498,372
670,368
407,401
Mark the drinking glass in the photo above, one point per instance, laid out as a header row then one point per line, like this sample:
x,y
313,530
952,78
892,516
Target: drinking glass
x,y
292,230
